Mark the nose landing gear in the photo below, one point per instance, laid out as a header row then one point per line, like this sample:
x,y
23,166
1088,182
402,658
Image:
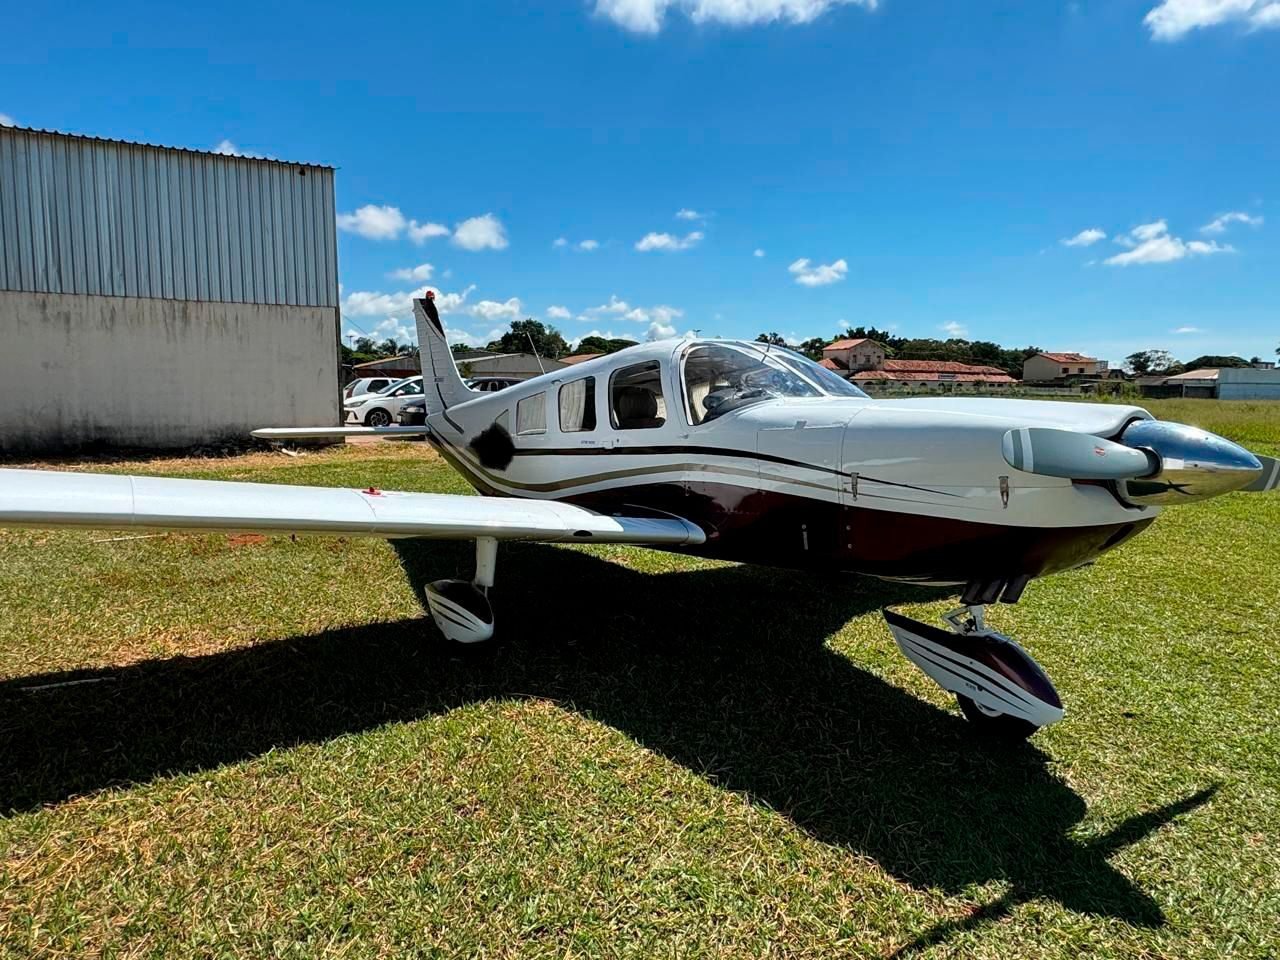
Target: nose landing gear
x,y
999,687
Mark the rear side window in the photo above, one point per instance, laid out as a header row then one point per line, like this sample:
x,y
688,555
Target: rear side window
x,y
578,406
635,397
531,414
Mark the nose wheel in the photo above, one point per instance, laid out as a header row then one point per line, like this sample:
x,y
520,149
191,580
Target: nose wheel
x,y
1001,690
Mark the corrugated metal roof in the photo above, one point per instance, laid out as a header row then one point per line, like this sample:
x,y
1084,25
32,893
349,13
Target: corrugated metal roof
x,y
163,146
82,215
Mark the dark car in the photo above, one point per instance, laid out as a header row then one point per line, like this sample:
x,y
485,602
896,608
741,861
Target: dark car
x,y
413,414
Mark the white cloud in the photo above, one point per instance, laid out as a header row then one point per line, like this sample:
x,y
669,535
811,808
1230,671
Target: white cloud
x,y
667,241
1220,224
954,329
373,303
8,121
229,149
1174,19
455,335
422,271
561,242
686,214
614,306
646,16
558,313
818,275
1185,330
1085,238
374,222
492,310
589,245
420,233
404,331
480,233
1152,243
659,331
758,252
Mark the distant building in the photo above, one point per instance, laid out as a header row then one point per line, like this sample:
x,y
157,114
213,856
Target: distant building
x,y
398,367
941,375
1057,367
520,366
1226,383
848,356
579,358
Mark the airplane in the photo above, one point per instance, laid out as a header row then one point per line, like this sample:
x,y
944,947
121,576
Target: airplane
x,y
745,452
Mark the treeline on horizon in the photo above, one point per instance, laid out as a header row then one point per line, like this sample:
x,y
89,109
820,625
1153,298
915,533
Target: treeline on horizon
x,y
550,342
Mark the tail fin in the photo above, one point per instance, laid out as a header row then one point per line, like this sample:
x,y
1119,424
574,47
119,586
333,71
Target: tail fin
x,y
442,384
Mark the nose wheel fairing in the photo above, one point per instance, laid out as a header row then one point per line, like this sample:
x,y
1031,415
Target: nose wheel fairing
x,y
980,665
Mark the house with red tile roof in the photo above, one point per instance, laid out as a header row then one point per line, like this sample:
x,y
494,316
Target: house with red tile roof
x,y
1058,367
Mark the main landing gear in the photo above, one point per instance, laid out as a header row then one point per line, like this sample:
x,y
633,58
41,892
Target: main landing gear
x,y
1000,689
461,608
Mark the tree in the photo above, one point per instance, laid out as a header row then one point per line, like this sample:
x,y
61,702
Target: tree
x,y
1213,360
595,344
775,339
1151,362
812,348
546,340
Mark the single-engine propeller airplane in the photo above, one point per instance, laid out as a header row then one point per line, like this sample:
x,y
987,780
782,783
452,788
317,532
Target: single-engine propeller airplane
x,y
746,452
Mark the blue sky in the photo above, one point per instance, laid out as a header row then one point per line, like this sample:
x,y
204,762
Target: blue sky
x,y
912,164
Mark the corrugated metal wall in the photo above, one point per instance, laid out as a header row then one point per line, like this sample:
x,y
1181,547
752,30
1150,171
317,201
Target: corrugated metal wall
x,y
79,215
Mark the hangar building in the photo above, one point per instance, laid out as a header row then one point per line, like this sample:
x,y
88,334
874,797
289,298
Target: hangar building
x,y
160,297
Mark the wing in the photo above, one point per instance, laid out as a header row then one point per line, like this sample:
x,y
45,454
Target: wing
x,y
321,433
45,498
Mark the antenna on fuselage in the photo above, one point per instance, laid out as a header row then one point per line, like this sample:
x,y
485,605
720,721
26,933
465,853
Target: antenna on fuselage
x,y
529,336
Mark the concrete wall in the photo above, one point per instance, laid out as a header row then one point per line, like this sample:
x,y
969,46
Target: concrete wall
x,y
78,370
1247,383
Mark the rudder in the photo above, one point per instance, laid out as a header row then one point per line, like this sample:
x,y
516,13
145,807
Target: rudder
x,y
442,385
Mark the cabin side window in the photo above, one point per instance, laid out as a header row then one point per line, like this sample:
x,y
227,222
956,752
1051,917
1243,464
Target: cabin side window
x,y
578,406
636,401
531,415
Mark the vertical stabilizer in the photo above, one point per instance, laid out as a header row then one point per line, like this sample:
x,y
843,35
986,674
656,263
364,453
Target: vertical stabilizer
x,y
442,385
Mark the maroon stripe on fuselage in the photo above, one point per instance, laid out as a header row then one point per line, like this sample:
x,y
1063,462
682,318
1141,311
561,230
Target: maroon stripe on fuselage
x,y
786,530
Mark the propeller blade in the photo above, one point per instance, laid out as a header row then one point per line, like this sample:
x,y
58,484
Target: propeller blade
x,y
1270,478
1073,456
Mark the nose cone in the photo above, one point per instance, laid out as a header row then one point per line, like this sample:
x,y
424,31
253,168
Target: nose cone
x,y
1194,464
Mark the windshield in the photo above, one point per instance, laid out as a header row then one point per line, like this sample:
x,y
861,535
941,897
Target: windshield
x,y
828,381
719,378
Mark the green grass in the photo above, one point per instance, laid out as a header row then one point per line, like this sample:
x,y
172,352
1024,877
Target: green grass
x,y
664,757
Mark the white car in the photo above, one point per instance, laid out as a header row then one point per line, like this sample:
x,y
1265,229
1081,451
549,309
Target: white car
x,y
365,385
380,409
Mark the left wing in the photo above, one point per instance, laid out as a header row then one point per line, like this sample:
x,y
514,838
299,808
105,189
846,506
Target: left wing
x,y
47,498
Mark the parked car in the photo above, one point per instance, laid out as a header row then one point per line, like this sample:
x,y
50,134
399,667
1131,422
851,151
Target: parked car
x,y
491,384
365,385
413,414
380,409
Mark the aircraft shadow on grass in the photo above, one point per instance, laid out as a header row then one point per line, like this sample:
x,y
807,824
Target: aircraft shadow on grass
x,y
722,670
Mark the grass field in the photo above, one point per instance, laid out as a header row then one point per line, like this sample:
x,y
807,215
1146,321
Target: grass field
x,y
264,753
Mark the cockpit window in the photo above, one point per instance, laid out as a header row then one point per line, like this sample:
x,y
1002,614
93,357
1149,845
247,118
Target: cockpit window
x,y
719,378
